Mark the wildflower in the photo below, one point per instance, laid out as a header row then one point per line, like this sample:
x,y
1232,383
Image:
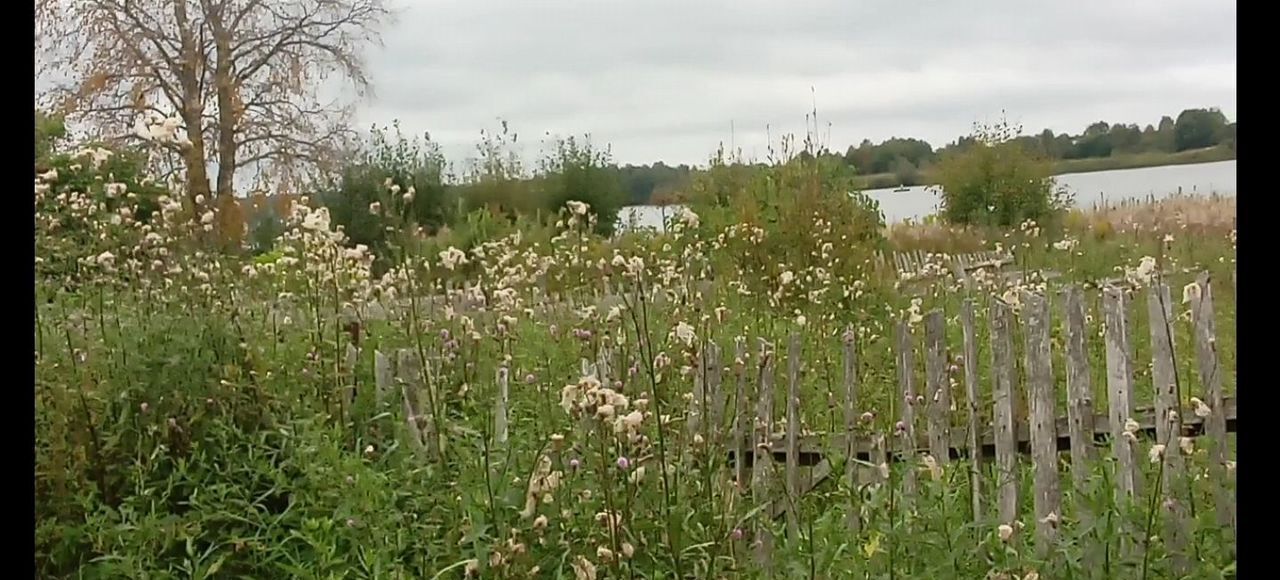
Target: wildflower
x,y
1187,445
451,257
1145,270
1031,575
375,208
684,332
688,218
106,259
931,464
1201,410
1005,532
540,522
736,534
1190,292
574,463
1065,245
471,568
627,550
1156,453
583,569
317,221
368,450
623,463
604,554
577,207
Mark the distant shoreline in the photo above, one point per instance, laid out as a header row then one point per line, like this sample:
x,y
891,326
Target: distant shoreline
x,y
1091,165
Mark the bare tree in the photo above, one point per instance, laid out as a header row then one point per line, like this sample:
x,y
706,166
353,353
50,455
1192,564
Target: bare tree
x,y
236,83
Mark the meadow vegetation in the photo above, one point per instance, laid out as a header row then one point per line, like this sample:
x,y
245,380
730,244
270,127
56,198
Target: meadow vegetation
x,y
211,411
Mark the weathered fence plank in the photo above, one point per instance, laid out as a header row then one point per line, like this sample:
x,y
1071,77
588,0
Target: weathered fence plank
x,y
383,378
1047,497
1079,386
1003,392
763,453
716,393
740,416
906,430
793,436
500,409
850,429
1168,422
939,391
1120,388
1215,416
971,408
420,425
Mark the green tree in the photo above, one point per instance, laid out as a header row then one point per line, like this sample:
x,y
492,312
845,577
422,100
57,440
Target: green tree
x,y
1198,128
996,181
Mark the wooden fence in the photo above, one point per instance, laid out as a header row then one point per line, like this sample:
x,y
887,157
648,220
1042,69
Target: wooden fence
x,y
977,434
933,430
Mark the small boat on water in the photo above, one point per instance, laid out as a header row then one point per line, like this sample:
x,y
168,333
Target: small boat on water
x,y
901,189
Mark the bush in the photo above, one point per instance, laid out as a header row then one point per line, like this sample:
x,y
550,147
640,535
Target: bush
x,y
405,177
85,201
576,171
998,182
792,214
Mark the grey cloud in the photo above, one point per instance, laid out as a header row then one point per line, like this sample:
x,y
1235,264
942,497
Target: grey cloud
x,y
664,79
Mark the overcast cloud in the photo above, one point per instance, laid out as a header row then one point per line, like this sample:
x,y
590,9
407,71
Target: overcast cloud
x,y
664,80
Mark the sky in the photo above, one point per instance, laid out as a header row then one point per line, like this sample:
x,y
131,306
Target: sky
x,y
670,81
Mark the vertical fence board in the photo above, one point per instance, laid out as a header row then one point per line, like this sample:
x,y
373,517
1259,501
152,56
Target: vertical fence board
x,y
1168,421
793,436
500,410
383,377
763,454
1215,423
1120,388
1003,392
850,428
1044,437
971,408
939,407
409,371
740,417
716,394
906,433
1079,390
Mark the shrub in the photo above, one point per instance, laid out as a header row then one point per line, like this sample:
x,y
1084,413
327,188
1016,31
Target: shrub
x,y
405,177
576,171
996,181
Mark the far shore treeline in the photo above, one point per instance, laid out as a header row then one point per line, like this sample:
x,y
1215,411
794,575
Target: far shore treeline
x,y
1194,136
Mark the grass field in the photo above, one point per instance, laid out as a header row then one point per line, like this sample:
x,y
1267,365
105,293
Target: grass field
x,y
199,415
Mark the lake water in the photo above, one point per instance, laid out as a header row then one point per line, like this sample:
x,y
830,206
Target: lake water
x,y
1089,188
